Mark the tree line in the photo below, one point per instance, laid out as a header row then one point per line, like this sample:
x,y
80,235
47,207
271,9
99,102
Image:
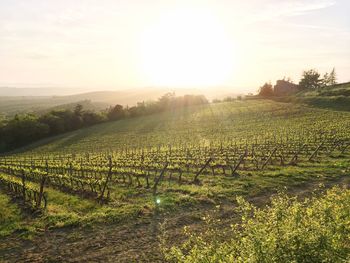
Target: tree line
x,y
311,79
27,128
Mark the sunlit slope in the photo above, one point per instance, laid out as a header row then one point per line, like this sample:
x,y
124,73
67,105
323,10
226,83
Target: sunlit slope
x,y
239,121
333,97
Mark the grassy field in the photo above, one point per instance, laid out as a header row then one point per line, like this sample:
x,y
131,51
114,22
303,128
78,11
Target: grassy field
x,y
265,134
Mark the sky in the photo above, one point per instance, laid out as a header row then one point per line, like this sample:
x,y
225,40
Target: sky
x,y
119,44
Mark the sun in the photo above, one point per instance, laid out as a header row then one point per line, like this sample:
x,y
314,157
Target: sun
x,y
186,48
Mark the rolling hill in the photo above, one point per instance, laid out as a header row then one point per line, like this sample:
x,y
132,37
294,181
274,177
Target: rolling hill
x,y
123,183
10,105
200,125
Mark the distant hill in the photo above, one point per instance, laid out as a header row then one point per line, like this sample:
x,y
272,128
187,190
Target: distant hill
x,y
10,105
87,105
35,92
34,100
127,97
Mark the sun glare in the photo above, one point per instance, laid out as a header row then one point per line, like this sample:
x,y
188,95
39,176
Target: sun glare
x,y
187,49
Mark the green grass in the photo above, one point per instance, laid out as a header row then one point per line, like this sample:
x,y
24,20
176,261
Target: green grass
x,y
10,216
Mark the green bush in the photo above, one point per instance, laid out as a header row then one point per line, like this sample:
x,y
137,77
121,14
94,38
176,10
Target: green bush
x,y
314,230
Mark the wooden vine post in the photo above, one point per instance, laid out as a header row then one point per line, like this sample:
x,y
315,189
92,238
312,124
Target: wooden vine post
x,y
195,180
239,162
42,184
295,156
344,148
269,158
108,178
316,151
156,183
23,185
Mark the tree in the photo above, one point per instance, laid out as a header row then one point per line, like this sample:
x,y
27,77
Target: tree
x,y
266,90
23,129
56,124
310,80
332,79
325,80
329,79
70,119
166,101
116,113
91,118
78,110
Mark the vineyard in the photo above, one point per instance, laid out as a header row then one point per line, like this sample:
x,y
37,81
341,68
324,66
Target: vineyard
x,y
93,175
211,152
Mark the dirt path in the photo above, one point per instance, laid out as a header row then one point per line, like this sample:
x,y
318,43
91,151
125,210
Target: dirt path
x,y
129,242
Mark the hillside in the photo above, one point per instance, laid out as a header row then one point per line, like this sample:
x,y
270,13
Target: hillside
x,y
200,125
335,97
120,184
10,105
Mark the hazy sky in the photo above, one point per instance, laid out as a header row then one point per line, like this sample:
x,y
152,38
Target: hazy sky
x,y
137,43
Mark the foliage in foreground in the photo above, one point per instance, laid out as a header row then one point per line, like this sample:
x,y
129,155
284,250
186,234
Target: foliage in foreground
x,y
314,230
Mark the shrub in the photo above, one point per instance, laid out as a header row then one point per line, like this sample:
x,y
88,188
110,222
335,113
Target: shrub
x,y
266,90
314,230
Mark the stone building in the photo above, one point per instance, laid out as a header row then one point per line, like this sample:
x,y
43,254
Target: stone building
x,y
284,87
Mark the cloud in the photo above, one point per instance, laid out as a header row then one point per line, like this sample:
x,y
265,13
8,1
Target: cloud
x,y
271,10
36,56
